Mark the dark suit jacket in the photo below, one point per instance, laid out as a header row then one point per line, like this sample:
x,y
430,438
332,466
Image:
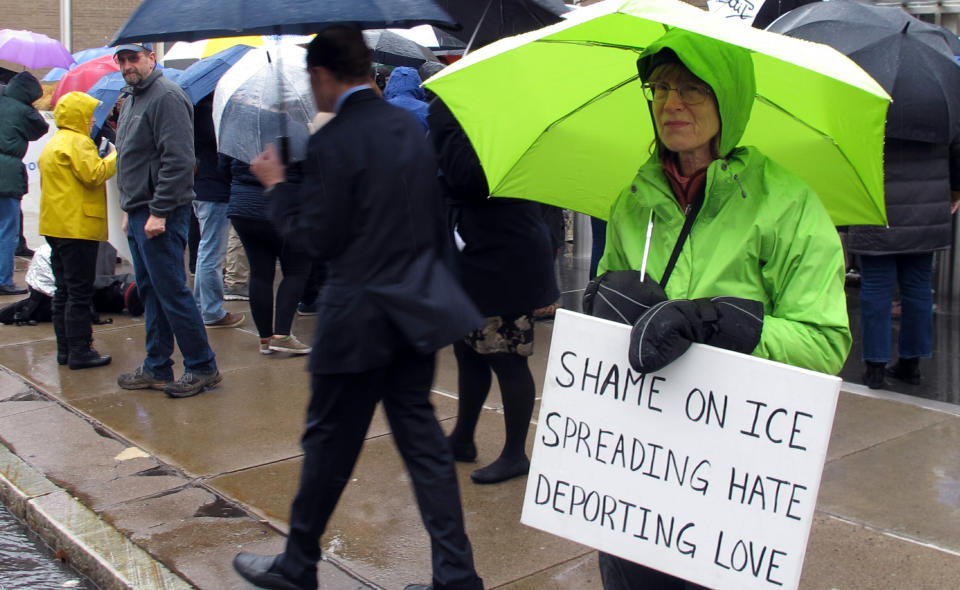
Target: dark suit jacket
x,y
370,206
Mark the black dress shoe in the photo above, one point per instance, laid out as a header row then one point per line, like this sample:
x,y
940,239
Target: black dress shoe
x,y
418,587
256,570
12,290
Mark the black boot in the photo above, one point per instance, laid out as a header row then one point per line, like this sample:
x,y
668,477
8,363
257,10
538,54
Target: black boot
x,y
83,356
873,375
63,347
906,370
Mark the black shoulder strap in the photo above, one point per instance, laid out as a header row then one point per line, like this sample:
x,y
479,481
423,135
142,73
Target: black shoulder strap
x,y
681,239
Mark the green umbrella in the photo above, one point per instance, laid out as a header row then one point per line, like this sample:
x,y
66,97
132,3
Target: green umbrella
x,y
558,116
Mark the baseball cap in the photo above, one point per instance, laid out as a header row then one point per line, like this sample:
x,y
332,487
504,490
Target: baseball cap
x,y
133,47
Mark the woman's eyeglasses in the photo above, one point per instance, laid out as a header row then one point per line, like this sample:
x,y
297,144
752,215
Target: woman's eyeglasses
x,y
690,94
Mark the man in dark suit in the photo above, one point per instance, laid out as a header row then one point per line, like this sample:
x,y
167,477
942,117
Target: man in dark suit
x,y
369,207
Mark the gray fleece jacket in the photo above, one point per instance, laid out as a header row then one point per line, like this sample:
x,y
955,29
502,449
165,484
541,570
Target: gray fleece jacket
x,y
155,157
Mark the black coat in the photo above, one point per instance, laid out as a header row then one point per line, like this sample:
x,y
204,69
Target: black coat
x,y
369,206
506,264
918,178
20,124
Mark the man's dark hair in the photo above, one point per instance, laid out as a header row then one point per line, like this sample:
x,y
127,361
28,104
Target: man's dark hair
x,y
340,49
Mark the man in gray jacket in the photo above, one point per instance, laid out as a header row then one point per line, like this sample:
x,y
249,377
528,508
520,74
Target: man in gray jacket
x,y
155,176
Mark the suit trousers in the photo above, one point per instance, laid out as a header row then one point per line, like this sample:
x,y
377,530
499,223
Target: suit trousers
x,y
338,417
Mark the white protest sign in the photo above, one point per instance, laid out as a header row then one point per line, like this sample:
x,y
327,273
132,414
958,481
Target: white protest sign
x,y
743,11
708,469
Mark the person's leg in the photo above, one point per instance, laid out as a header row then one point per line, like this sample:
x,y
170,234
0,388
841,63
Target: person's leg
x,y
295,267
914,273
236,271
22,248
193,241
517,390
9,236
311,289
420,441
163,255
878,274
598,231
58,303
473,385
620,574
208,281
158,334
79,260
263,266
340,410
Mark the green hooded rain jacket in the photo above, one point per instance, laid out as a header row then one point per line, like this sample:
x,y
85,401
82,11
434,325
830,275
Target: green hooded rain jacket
x,y
761,233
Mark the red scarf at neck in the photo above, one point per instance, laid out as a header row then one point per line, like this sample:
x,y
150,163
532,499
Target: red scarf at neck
x,y
686,189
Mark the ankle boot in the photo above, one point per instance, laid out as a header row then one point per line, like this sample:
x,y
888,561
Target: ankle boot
x,y
83,356
906,370
873,375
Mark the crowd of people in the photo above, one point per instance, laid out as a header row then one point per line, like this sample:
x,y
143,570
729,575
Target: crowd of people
x,y
388,233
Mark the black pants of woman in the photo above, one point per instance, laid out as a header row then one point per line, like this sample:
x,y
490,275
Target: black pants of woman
x,y
264,247
74,264
517,390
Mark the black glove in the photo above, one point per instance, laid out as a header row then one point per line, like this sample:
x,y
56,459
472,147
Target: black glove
x,y
666,331
621,296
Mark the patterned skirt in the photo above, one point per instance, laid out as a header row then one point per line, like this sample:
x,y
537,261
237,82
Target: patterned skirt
x,y
508,333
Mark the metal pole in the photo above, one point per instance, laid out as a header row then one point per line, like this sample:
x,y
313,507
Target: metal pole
x,y
66,28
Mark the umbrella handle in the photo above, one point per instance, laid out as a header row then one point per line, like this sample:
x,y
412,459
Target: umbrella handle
x,y
283,149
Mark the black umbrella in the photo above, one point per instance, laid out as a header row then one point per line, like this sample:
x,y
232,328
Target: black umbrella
x,y
396,50
911,59
771,10
488,20
191,20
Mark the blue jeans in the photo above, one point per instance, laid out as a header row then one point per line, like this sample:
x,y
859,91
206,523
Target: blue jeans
x,y
912,272
9,237
169,308
208,282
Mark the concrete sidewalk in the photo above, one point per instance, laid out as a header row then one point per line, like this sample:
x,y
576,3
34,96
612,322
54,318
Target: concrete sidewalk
x,y
192,481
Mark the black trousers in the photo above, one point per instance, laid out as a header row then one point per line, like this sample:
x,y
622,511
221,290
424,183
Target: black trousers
x,y
619,574
264,247
74,265
339,414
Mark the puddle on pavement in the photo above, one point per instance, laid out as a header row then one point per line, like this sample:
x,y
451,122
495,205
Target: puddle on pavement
x,y
27,563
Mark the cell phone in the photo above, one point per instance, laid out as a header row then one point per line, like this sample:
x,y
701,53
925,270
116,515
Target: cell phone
x,y
104,144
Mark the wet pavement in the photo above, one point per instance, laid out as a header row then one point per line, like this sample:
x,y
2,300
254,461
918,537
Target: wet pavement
x,y
192,481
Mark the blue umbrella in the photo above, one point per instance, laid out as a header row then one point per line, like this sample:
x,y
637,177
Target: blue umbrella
x,y
190,20
79,57
201,77
109,88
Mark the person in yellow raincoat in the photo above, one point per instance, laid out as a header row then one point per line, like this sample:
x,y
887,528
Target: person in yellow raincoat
x,y
73,218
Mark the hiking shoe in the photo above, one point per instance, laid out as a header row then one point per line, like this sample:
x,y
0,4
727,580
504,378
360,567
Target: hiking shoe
x,y
307,308
230,320
906,370
141,379
265,346
236,295
873,375
192,384
289,344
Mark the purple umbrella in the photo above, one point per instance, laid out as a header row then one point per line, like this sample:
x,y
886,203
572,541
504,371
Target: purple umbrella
x,y
33,50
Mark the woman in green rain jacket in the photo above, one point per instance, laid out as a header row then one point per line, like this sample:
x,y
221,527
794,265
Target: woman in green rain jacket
x,y
761,268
